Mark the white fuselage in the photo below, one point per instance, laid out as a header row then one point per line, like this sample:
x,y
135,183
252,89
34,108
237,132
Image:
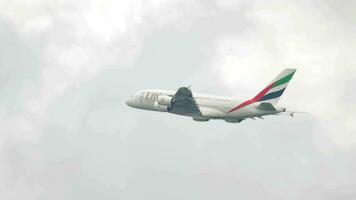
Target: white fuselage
x,y
211,107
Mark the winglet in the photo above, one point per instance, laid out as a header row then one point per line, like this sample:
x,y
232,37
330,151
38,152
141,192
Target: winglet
x,y
189,87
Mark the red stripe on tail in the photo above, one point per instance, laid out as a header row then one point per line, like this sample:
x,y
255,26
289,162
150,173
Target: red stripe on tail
x,y
257,98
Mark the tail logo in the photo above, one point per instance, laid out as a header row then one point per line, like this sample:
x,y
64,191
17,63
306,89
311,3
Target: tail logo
x,y
272,91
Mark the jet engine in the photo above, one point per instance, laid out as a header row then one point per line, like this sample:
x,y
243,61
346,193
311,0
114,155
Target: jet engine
x,y
164,100
160,108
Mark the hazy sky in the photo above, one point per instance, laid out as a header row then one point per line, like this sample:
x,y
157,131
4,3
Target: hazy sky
x,y
67,67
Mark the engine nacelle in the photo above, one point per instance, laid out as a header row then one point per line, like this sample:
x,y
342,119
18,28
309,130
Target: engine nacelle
x,y
164,100
159,107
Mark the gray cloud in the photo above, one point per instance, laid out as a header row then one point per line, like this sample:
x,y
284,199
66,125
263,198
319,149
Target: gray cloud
x,y
15,54
67,68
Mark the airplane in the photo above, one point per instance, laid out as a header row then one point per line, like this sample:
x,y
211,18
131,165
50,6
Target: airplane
x,y
203,107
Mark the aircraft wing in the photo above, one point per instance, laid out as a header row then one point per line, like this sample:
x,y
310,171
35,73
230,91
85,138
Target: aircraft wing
x,y
184,103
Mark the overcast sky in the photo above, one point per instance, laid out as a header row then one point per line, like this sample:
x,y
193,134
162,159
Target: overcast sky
x,y
67,67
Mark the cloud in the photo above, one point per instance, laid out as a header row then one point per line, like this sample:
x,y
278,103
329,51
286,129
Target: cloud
x,y
294,37
67,68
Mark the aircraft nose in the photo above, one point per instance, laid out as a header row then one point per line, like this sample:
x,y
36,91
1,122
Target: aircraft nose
x,y
128,102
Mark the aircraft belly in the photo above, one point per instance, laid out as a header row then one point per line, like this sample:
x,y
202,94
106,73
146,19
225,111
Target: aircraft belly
x,y
211,113
147,106
244,113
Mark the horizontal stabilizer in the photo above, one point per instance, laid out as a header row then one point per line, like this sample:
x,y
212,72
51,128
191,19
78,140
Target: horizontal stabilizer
x,y
266,107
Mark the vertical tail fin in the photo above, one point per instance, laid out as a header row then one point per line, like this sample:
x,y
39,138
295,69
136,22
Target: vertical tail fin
x,y
273,92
